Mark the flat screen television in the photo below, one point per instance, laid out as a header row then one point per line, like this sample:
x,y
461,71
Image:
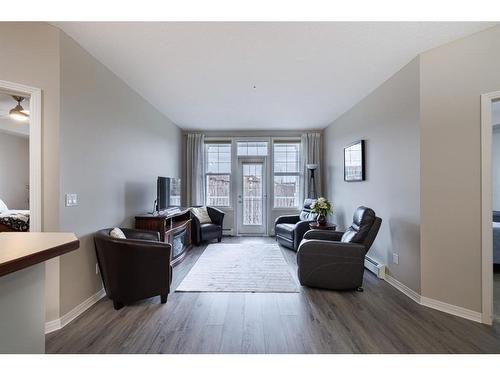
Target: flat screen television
x,y
168,193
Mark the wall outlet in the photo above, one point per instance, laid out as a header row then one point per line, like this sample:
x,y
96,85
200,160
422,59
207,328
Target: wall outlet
x,y
71,200
97,269
395,258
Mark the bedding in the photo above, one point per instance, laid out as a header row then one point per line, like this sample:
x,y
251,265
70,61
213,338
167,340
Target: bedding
x,y
17,220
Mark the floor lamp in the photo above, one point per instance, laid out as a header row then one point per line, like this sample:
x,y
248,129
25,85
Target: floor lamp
x,y
311,187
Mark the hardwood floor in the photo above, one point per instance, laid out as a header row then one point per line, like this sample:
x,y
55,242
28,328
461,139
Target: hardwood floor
x,y
379,320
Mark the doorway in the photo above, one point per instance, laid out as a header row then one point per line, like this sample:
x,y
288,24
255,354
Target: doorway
x,y
490,206
20,127
251,196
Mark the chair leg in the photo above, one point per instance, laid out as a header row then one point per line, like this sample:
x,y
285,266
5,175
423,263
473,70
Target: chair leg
x,y
117,305
164,298
219,239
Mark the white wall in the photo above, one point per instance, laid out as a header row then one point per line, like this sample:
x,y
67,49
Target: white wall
x,y
14,171
388,120
114,144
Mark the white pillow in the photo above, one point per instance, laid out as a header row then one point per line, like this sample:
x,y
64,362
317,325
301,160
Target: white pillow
x,y
202,214
117,233
3,207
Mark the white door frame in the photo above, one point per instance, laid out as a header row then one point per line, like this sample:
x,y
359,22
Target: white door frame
x,y
239,187
487,206
35,149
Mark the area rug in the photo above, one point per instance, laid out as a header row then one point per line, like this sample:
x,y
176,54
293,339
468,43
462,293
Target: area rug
x,y
256,268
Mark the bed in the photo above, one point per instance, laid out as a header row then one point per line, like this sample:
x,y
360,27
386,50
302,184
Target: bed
x,y
13,220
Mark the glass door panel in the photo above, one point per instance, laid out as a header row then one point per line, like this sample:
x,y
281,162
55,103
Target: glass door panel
x,y
251,197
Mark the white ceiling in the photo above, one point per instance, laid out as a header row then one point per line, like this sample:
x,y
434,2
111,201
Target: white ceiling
x,y
201,75
8,125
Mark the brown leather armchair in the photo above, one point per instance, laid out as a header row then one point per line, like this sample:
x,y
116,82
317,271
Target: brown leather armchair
x,y
134,268
335,260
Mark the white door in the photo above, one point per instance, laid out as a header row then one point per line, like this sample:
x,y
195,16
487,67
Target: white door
x,y
251,197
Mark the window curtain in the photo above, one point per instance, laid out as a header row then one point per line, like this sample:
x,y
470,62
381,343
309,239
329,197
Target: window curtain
x,y
311,154
195,170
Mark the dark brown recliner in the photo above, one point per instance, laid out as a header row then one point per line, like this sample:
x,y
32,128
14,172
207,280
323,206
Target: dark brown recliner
x,y
134,268
289,229
208,231
335,260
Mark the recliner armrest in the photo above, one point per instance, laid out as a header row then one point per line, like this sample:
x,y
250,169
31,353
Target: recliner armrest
x,y
216,215
320,248
287,219
325,235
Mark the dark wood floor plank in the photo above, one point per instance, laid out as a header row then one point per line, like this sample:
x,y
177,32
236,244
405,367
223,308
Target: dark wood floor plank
x,y
378,320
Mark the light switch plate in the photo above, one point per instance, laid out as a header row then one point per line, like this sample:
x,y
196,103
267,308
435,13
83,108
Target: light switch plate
x,y
71,200
395,258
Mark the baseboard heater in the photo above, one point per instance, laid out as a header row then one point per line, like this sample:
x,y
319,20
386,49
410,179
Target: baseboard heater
x,y
376,267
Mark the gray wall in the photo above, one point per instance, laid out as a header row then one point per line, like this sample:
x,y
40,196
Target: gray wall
x,y
388,120
452,79
495,164
14,171
113,146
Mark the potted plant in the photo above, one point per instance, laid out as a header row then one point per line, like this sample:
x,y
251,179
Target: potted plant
x,y
322,207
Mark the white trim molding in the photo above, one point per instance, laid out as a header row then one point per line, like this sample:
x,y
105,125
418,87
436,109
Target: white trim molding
x,y
57,324
35,149
403,288
487,207
435,304
462,312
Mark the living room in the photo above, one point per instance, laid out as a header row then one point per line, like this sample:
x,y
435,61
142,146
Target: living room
x,y
249,187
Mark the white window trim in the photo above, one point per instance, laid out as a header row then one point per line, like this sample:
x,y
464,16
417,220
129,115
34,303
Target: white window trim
x,y
230,174
279,140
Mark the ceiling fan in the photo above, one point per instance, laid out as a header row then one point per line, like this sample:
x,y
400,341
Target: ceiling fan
x,y
17,113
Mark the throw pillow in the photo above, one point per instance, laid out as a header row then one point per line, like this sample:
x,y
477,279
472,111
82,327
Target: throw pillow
x,y
3,207
117,233
201,214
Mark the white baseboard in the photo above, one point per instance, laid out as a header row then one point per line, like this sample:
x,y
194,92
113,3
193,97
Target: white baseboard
x,y
403,288
71,315
452,309
435,304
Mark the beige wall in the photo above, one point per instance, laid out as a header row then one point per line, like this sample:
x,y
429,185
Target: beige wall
x,y
29,54
113,146
14,170
452,79
388,120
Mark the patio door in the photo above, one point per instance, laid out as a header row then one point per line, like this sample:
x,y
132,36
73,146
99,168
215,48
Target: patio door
x,y
251,197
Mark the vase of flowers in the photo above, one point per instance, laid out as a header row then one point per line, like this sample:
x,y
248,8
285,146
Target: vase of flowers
x,y
322,207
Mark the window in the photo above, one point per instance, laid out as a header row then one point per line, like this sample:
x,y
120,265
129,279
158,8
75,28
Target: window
x,y
286,175
218,174
252,148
